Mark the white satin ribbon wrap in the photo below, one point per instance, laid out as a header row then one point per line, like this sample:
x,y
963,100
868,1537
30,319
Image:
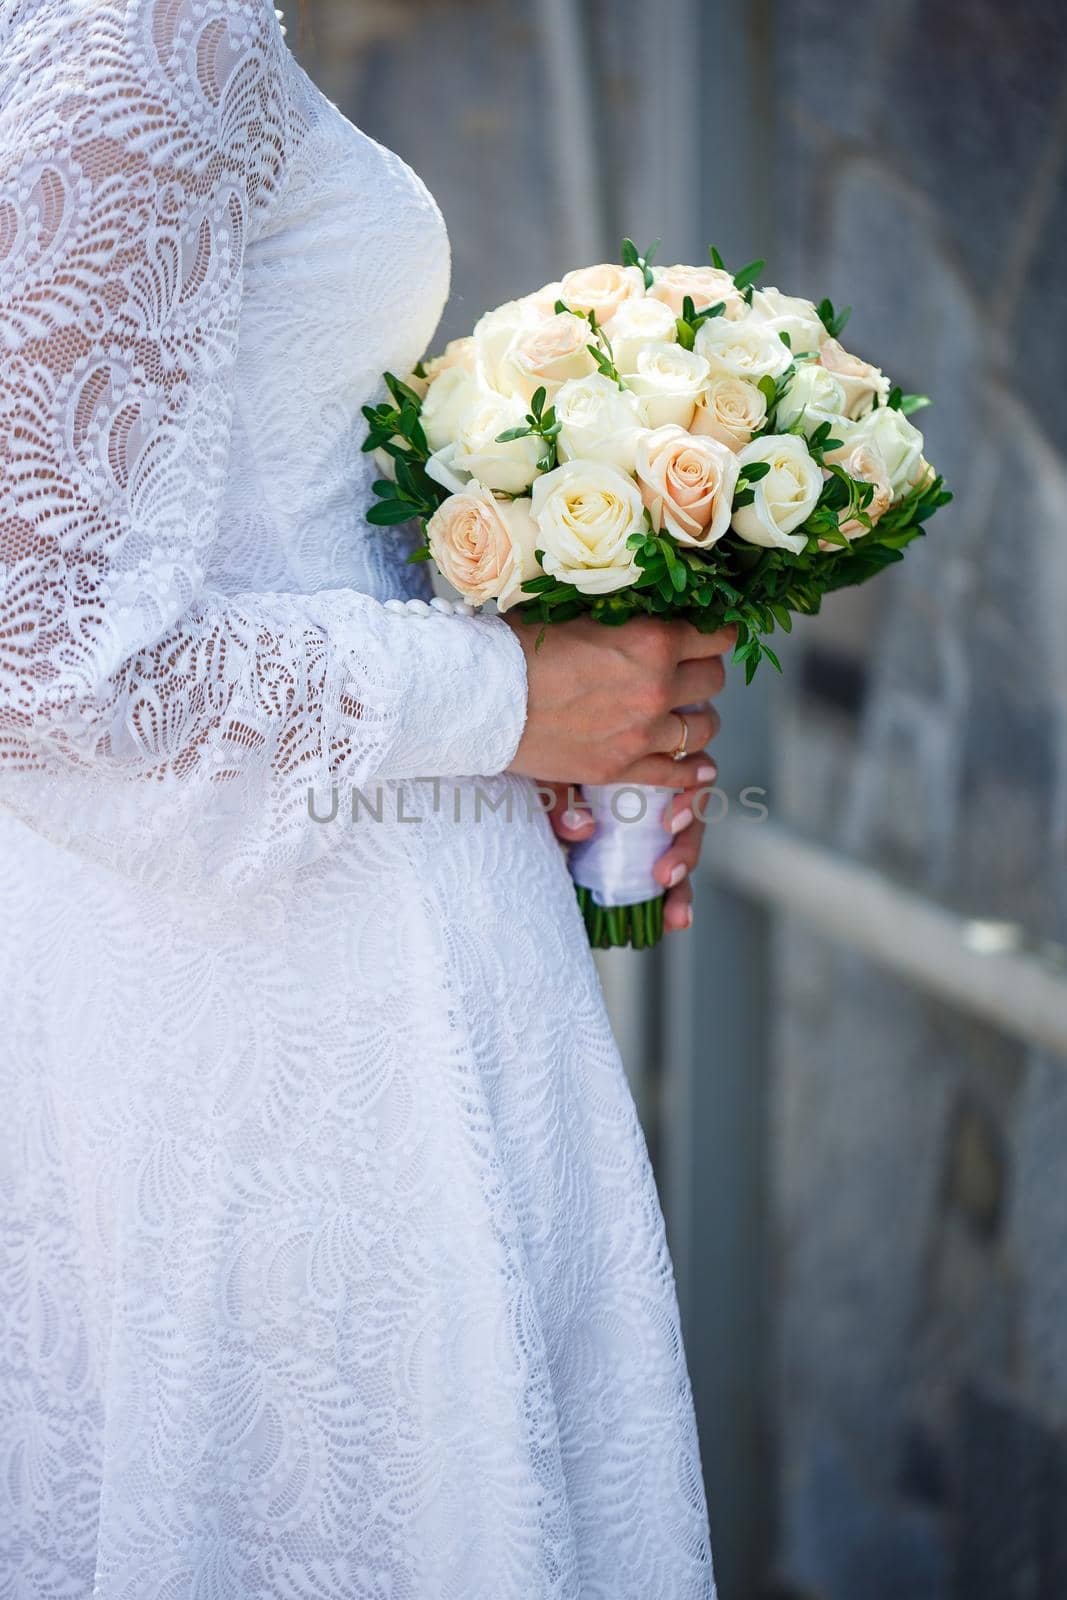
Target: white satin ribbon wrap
x,y
616,863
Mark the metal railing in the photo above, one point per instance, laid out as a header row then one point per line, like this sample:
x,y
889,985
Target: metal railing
x,y
990,970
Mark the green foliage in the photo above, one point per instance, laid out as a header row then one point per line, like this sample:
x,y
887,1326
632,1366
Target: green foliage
x,y
691,320
833,322
544,424
394,428
632,257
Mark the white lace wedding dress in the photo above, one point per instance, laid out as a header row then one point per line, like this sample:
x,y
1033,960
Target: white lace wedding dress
x,y
331,1264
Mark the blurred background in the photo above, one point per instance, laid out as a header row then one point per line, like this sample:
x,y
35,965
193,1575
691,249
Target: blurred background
x,y
853,1074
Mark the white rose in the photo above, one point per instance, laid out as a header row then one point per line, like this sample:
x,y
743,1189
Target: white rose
x,y
730,410
705,286
784,497
599,422
789,314
741,349
687,484
667,381
509,467
601,288
449,398
862,382
814,396
898,442
585,512
483,546
638,322
545,355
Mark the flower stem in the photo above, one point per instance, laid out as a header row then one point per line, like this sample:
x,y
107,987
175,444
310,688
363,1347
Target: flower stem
x,y
611,927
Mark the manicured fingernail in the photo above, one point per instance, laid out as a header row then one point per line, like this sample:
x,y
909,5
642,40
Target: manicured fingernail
x,y
689,916
574,819
707,774
680,820
677,874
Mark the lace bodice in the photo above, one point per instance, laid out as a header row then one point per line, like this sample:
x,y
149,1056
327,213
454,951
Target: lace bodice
x,y
190,627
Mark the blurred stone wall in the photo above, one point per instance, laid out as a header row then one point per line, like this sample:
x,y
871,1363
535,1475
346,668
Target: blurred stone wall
x,y
921,1160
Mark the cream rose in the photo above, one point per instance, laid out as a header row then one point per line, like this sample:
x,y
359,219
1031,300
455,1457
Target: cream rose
x,y
745,349
456,353
862,382
598,422
687,484
784,497
667,381
601,289
814,396
640,322
484,547
546,354
865,462
509,467
449,399
730,410
898,442
585,512
705,286
492,336
788,314
542,303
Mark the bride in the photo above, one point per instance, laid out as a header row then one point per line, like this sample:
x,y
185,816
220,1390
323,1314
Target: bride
x,y
331,1263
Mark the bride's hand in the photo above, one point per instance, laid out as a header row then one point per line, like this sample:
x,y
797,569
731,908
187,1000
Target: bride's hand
x,y
572,823
599,700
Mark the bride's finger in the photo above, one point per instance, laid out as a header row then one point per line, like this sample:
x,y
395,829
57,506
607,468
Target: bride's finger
x,y
679,860
570,819
678,908
702,727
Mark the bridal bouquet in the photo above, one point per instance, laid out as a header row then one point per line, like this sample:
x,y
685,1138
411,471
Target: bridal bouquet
x,y
679,441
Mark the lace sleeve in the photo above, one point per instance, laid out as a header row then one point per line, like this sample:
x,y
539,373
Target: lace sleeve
x,y
145,719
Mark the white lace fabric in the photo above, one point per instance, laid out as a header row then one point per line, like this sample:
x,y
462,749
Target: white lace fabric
x,y
331,1263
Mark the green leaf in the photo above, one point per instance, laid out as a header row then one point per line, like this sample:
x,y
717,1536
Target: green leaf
x,y
400,391
913,402
769,390
513,433
387,513
753,471
421,554
537,404
716,258
833,322
748,275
